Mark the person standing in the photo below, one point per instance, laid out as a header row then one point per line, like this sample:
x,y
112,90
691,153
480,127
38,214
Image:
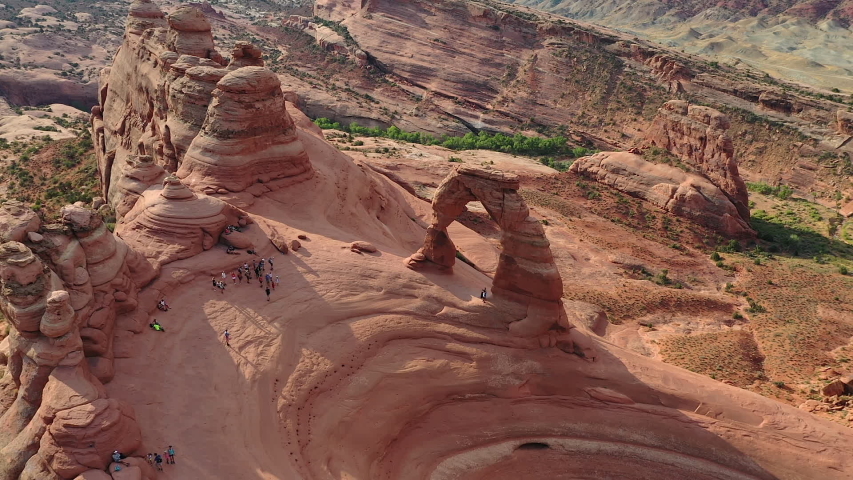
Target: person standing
x,y
268,294
270,262
239,274
158,460
277,280
227,336
170,455
483,295
234,277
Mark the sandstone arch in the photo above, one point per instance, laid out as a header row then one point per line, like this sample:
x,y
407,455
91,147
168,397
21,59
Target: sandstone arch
x,y
526,272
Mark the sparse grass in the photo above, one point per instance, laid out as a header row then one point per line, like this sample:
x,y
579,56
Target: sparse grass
x,y
728,355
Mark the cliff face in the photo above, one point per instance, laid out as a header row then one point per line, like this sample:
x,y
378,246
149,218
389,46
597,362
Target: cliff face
x,y
172,97
65,292
687,195
697,135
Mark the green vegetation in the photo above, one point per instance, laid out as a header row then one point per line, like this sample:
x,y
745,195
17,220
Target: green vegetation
x,y
783,192
517,144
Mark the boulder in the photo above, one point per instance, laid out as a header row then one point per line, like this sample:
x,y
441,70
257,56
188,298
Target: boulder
x,y
17,221
363,247
834,388
295,245
687,195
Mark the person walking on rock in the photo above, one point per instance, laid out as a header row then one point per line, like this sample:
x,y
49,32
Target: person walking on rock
x,y
270,262
227,336
268,294
158,460
215,283
261,265
483,295
240,275
224,277
234,278
277,280
170,455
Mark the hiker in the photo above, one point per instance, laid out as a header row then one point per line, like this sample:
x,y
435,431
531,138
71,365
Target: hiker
x,y
483,295
268,294
268,279
277,280
240,275
270,262
224,277
158,460
162,305
261,265
260,280
221,286
150,459
227,338
170,455
118,457
271,281
156,326
213,279
234,277
231,250
254,265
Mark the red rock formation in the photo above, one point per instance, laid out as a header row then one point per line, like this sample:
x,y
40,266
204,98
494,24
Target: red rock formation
x,y
686,195
165,85
844,122
173,223
698,136
246,112
55,418
526,272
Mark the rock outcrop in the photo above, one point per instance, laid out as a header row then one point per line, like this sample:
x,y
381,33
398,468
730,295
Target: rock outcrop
x,y
697,135
526,271
687,195
844,122
169,103
56,420
245,139
173,222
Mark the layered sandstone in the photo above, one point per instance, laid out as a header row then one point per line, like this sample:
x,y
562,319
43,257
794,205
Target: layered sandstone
x,y
169,97
687,195
526,272
56,420
245,111
697,135
173,222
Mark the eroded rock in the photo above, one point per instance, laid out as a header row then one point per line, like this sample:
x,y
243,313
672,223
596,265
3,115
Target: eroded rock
x,y
686,195
697,135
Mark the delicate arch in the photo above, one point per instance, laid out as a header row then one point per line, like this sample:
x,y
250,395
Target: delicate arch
x,y
526,270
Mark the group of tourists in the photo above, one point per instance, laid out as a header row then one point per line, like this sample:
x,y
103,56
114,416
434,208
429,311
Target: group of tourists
x,y
258,269
154,459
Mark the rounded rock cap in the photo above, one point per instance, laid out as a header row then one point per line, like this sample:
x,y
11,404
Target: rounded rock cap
x,y
145,9
205,74
189,19
249,80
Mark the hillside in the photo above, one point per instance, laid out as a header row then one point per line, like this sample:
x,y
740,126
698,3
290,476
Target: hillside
x,y
799,40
